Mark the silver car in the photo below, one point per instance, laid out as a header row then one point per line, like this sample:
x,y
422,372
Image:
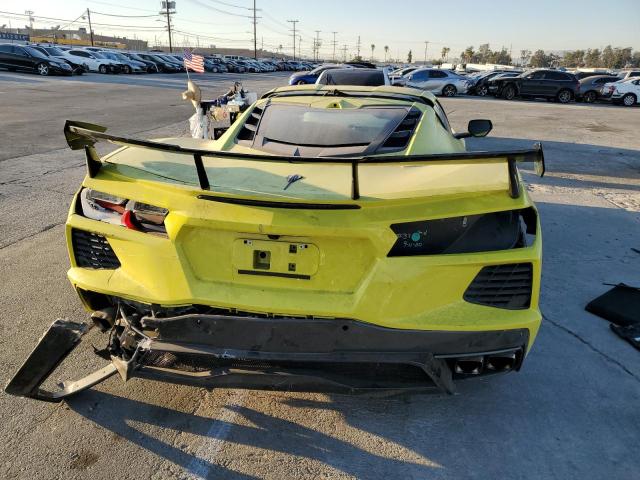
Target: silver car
x,y
439,82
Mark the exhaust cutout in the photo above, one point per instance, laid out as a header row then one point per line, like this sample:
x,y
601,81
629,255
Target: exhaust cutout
x,y
469,365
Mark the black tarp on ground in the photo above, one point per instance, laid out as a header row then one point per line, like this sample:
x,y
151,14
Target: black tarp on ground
x,y
621,306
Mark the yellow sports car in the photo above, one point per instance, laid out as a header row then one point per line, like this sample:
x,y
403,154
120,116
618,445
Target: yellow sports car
x,y
333,233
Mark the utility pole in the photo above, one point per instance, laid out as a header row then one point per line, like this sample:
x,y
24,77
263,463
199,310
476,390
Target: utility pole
x,y
294,37
317,49
90,28
30,13
344,53
426,45
334,46
358,48
300,45
255,41
169,9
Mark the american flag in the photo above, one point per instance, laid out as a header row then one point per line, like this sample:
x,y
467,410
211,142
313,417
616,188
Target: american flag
x,y
193,62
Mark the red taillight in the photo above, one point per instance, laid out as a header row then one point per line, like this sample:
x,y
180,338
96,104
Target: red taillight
x,y
128,220
120,211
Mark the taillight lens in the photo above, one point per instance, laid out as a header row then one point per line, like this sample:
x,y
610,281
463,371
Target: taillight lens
x,y
467,234
121,211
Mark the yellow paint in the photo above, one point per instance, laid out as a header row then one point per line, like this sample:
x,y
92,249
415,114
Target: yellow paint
x,y
351,275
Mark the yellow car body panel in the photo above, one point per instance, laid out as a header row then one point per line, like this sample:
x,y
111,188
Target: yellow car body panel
x,y
351,275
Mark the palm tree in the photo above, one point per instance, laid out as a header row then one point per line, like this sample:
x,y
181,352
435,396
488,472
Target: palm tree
x,y
373,47
386,51
445,52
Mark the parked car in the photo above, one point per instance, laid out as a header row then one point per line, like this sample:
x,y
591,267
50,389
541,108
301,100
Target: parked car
x,y
629,74
161,64
479,84
580,74
368,77
77,65
26,58
590,88
176,277
150,67
116,65
550,84
220,64
493,85
235,66
439,82
395,75
95,63
179,65
625,92
305,77
128,65
248,66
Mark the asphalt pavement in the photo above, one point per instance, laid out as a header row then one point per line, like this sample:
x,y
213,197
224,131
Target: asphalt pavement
x,y
571,413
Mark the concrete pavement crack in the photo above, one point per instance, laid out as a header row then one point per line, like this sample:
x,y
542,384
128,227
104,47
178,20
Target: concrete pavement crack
x,y
591,347
31,235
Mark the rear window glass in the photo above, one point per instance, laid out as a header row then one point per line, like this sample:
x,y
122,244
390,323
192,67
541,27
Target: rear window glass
x,y
34,52
315,127
370,78
56,52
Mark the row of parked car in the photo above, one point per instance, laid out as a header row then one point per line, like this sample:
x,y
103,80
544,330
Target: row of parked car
x,y
557,85
47,59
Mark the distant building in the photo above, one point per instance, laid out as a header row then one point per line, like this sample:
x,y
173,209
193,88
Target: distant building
x,y
79,37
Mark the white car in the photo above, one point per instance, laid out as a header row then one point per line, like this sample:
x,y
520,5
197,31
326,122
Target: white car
x,y
95,64
60,54
436,81
626,92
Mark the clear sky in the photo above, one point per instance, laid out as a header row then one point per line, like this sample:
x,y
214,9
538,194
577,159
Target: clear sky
x,y
402,25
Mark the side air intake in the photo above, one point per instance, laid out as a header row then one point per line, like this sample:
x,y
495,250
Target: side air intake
x,y
251,125
399,138
92,250
502,286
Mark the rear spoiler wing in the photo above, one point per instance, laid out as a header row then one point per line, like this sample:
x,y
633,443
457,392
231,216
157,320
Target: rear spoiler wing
x,y
81,135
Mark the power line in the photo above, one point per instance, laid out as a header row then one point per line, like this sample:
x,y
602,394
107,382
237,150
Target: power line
x,y
120,6
123,16
230,4
204,5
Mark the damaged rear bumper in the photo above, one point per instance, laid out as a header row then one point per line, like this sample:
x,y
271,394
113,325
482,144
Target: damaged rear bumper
x,y
228,350
52,348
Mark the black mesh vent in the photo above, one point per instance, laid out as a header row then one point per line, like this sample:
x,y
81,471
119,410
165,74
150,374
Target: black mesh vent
x,y
92,250
399,138
251,124
502,286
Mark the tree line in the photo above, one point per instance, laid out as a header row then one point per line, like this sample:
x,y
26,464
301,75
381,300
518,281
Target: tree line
x,y
608,57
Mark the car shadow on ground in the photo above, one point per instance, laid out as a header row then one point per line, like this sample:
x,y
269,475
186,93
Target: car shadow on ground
x,y
120,415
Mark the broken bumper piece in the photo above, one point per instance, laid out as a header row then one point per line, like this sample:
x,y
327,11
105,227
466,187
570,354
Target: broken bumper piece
x,y
54,346
289,353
